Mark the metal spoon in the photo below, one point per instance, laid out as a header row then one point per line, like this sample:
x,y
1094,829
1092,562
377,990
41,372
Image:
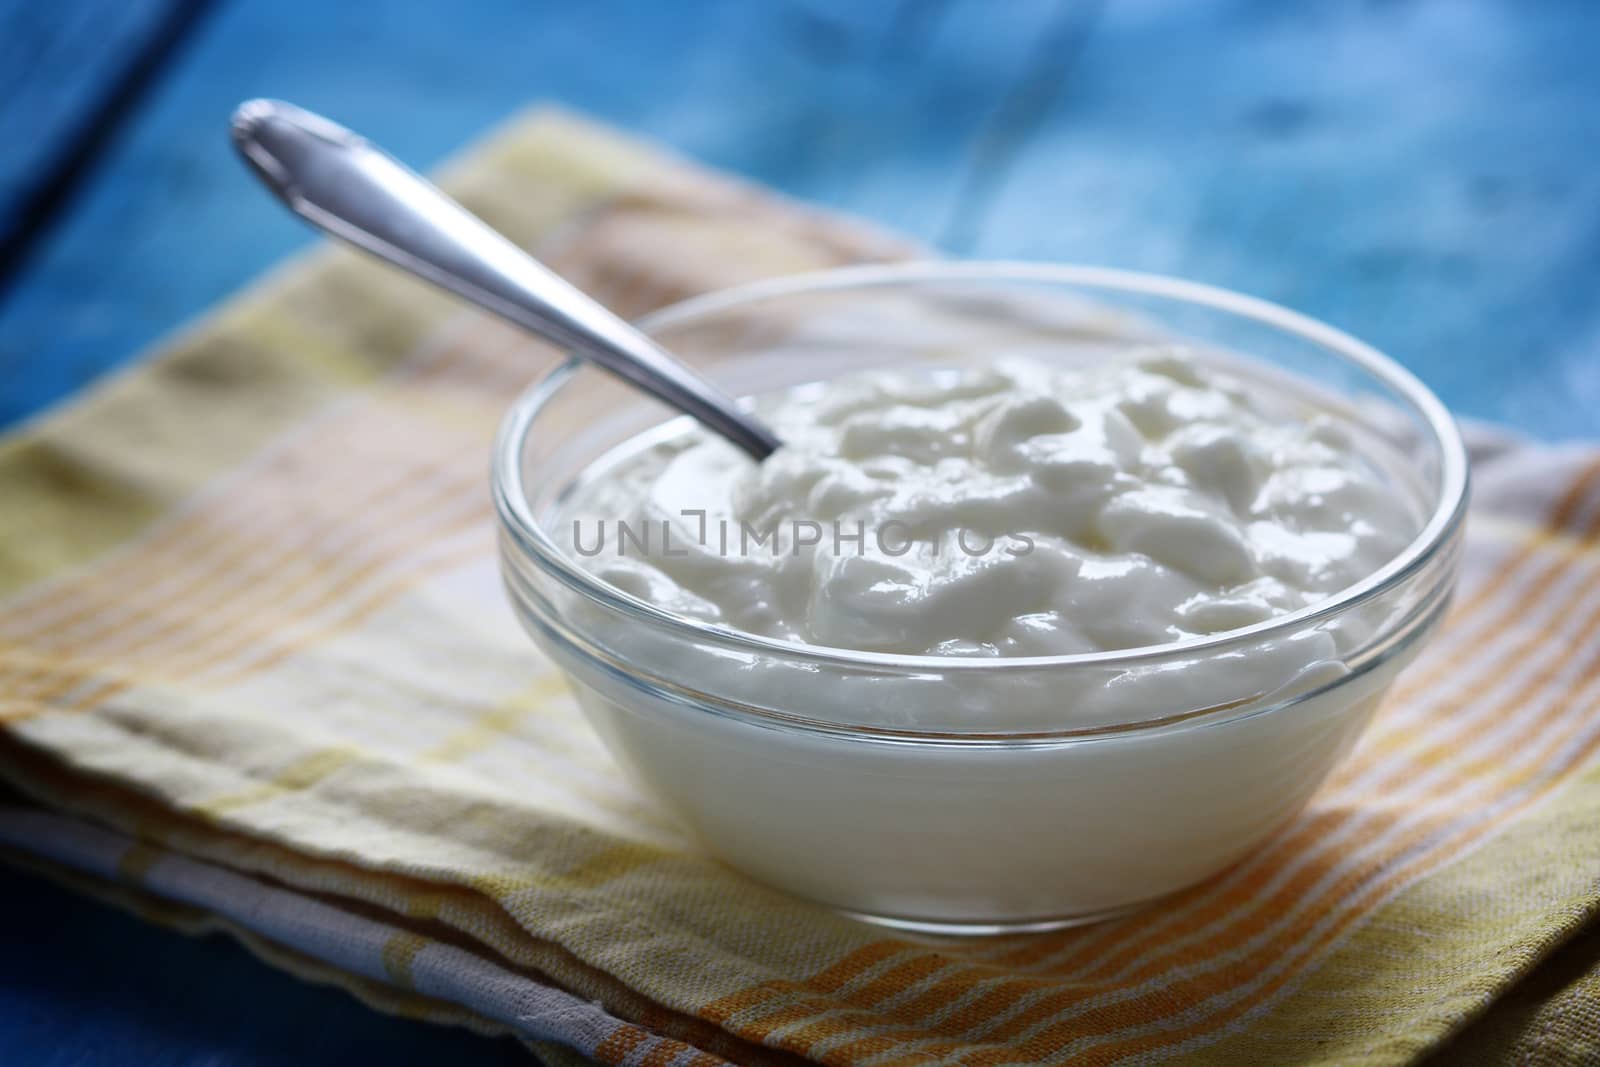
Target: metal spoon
x,y
341,184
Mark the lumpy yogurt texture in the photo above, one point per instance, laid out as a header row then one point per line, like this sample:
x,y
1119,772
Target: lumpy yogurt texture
x,y
1014,510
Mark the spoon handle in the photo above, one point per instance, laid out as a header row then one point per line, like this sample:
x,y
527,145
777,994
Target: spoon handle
x,y
341,184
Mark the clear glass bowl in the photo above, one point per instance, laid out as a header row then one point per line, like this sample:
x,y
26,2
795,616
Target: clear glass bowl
x,y
783,759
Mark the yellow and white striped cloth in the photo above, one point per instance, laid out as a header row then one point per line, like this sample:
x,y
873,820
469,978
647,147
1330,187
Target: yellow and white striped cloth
x,y
256,674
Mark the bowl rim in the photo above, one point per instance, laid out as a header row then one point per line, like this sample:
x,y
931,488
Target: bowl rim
x,y
517,519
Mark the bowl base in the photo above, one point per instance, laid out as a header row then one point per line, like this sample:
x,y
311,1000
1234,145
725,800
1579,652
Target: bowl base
x,y
981,928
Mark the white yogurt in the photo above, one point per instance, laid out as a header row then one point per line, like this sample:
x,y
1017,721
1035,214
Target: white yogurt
x,y
1010,511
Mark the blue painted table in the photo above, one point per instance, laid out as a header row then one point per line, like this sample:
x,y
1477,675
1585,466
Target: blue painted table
x,y
1418,173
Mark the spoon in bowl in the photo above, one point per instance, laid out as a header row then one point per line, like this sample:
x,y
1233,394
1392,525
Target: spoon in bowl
x,y
343,185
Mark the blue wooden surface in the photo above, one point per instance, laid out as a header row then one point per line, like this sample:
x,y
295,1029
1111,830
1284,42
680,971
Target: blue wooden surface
x,y
83,985
43,53
1416,172
1419,172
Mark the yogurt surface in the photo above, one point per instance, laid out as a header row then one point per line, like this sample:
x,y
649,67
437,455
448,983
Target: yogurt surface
x,y
1014,510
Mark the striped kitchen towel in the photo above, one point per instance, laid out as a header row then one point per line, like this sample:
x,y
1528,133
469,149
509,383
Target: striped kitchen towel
x,y
256,675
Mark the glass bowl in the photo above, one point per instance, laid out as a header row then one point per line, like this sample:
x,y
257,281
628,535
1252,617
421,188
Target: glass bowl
x,y
980,814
